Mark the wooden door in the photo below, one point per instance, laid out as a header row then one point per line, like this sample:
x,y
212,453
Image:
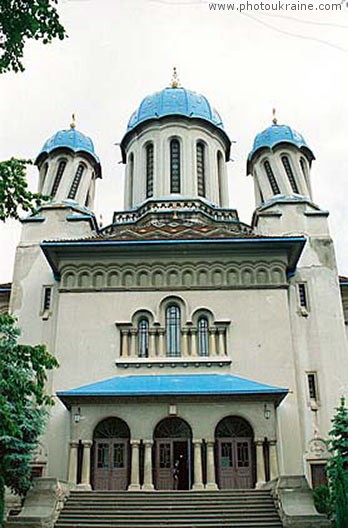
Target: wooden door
x,y
164,464
111,458
234,463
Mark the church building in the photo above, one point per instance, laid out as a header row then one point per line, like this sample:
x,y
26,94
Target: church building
x,y
196,352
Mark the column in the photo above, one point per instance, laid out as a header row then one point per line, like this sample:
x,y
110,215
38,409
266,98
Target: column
x,y
194,347
161,344
260,464
273,460
132,347
148,483
221,342
212,347
211,482
134,484
123,343
86,465
197,474
152,343
72,477
184,342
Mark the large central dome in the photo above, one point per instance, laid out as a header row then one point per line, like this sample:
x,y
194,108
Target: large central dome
x,y
175,101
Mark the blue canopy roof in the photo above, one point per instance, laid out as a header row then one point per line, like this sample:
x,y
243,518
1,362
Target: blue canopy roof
x,y
276,134
175,101
184,384
71,139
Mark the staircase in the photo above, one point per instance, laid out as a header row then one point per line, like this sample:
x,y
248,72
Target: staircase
x,y
174,509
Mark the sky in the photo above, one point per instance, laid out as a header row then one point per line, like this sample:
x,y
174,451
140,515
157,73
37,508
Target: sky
x,y
246,63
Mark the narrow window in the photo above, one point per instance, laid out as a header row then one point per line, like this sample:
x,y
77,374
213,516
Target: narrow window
x,y
290,174
271,178
76,182
175,160
47,298
173,330
87,200
130,182
203,337
302,294
312,386
200,160
220,169
143,337
303,166
57,179
318,474
149,170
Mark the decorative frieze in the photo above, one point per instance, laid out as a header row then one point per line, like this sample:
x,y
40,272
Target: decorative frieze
x,y
166,276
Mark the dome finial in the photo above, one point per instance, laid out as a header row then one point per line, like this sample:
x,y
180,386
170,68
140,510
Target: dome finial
x,y
274,120
175,79
73,122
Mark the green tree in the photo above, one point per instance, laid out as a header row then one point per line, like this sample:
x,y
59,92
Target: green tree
x,y
337,468
14,192
21,20
23,406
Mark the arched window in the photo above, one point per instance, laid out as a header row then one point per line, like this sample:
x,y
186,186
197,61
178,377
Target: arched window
x,y
149,170
203,336
220,169
304,169
271,178
290,174
200,161
57,179
76,181
130,178
173,330
143,337
175,161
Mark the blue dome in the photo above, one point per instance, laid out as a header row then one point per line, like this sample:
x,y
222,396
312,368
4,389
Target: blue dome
x,y
175,101
279,134
71,139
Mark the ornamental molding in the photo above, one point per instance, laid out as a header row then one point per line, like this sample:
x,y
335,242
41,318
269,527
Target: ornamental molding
x,y
166,276
317,449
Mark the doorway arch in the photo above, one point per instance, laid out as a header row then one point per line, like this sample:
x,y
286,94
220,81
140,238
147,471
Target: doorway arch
x,y
173,454
235,455
111,455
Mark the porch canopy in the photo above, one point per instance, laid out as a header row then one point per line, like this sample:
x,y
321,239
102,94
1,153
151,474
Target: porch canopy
x,y
173,385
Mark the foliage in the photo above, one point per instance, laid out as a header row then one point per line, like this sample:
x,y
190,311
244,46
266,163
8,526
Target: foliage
x,y
337,468
322,499
23,405
14,192
21,20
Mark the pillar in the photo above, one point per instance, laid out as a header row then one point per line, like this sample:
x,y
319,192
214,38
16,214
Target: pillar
x,y
152,343
72,476
260,464
161,343
134,484
273,460
148,482
132,348
221,342
212,344
211,482
197,475
86,465
184,342
194,350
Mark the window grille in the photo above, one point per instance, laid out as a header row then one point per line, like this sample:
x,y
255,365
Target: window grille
x,y
76,182
175,160
271,178
312,386
47,298
290,174
131,177
173,330
203,337
149,170
57,179
143,338
200,160
302,293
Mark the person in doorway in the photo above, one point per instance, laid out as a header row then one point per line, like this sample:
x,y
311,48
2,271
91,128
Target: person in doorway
x,y
176,471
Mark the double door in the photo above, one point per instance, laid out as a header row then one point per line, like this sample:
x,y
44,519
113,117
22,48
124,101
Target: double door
x,y
111,464
173,464
234,463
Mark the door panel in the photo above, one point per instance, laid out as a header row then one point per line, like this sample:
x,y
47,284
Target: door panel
x,y
168,452
234,463
111,464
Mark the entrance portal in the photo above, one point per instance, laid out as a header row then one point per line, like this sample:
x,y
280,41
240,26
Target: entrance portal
x,y
234,443
173,455
110,462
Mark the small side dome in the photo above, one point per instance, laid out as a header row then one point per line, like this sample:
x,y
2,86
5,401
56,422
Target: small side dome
x,y
175,101
276,134
70,139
